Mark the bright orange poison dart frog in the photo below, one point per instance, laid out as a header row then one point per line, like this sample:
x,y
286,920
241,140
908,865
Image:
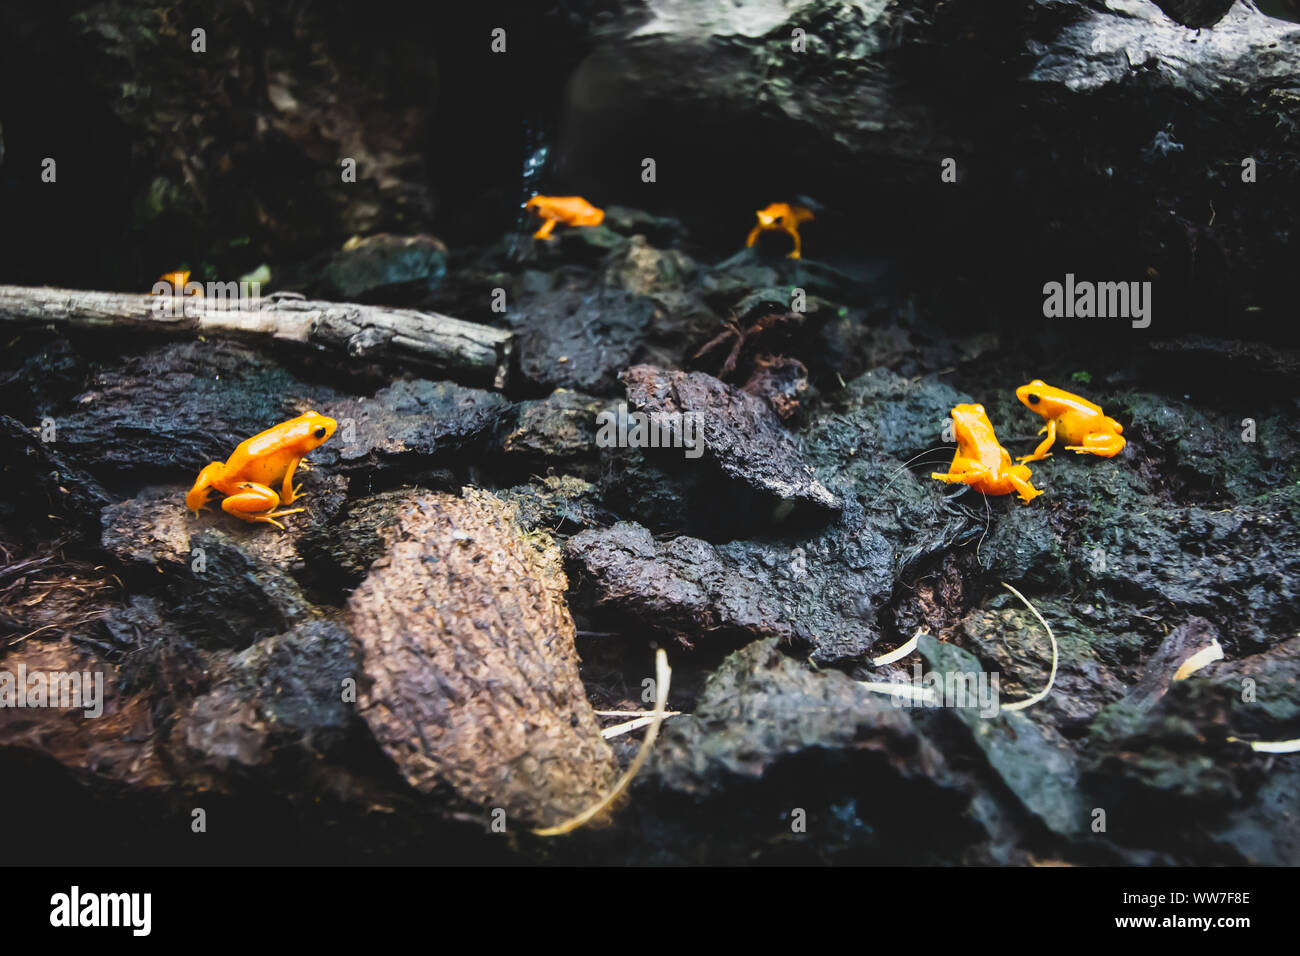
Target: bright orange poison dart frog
x,y
178,281
980,461
249,475
570,210
781,217
1077,420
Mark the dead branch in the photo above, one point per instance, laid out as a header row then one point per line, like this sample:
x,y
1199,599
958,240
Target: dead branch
x,y
367,332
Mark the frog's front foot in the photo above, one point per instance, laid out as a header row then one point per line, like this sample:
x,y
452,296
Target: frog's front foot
x,y
289,492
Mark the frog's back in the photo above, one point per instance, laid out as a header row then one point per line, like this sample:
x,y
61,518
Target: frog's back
x,y
265,457
1080,406
991,454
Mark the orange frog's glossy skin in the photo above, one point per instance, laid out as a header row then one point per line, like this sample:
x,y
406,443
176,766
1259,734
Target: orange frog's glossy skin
x,y
1084,425
981,462
781,217
248,477
570,210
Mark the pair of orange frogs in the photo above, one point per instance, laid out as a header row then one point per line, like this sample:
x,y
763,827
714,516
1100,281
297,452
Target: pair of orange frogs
x,y
985,465
576,211
249,477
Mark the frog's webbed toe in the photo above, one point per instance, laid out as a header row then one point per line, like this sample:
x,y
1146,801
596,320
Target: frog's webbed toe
x,y
270,518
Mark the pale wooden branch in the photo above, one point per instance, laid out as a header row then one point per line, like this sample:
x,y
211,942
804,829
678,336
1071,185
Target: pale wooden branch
x,y
365,332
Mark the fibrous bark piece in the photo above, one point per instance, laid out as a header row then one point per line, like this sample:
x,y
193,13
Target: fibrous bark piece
x,y
472,677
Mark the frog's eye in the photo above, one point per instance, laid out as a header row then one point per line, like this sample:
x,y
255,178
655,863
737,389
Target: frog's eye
x,y
1033,399
320,432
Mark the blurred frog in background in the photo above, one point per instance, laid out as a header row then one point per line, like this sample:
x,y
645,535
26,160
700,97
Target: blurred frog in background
x,y
781,217
570,210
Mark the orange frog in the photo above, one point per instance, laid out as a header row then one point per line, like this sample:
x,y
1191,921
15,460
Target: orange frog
x,y
781,217
178,281
981,462
570,210
247,476
1088,429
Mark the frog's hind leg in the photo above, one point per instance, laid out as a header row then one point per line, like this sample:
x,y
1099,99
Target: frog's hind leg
x,y
1026,490
1106,446
197,497
256,503
967,471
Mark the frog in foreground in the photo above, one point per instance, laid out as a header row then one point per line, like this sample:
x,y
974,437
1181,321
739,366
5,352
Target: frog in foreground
x,y
781,217
981,462
570,210
247,478
1084,425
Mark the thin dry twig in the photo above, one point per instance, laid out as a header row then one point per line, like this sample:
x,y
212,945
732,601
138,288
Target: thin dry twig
x,y
663,673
